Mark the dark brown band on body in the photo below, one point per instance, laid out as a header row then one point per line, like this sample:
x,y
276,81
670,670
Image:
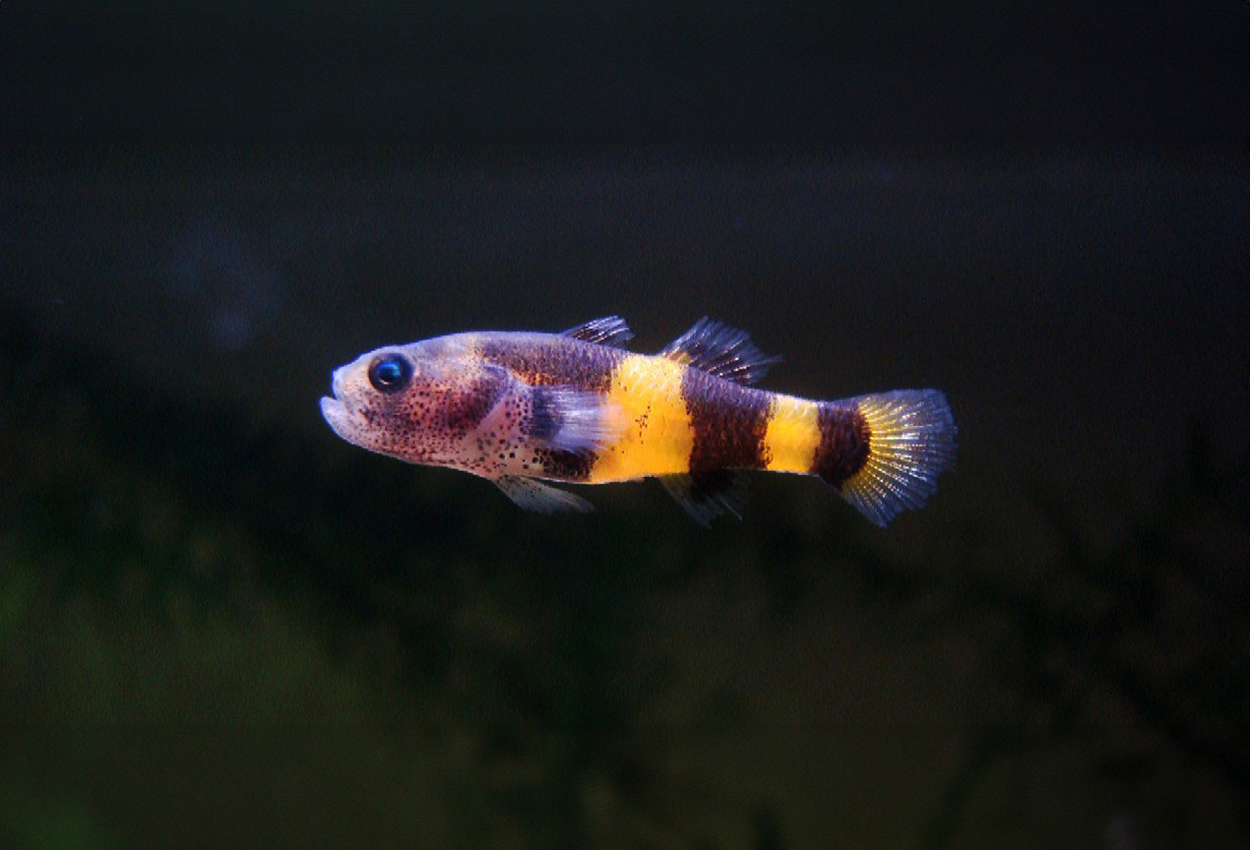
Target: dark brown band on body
x,y
560,360
844,442
728,422
567,466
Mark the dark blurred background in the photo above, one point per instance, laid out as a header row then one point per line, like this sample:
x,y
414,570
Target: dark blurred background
x,y
220,625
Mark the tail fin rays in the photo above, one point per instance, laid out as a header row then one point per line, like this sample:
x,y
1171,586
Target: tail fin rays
x,y
912,441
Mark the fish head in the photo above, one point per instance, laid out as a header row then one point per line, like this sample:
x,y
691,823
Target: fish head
x,y
421,402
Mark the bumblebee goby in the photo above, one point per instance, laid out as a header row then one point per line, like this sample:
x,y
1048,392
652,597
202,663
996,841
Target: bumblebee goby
x,y
521,408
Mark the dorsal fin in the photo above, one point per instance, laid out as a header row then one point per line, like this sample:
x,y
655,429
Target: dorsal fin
x,y
610,330
721,351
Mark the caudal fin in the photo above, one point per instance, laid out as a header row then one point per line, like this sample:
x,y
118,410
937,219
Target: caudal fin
x,y
911,440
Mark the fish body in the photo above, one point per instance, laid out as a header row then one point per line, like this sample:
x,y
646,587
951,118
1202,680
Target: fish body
x,y
521,408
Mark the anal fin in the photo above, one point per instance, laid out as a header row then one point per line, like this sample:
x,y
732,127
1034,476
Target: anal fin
x,y
534,495
708,495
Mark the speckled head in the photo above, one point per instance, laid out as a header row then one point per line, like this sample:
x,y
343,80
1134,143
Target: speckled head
x,y
420,402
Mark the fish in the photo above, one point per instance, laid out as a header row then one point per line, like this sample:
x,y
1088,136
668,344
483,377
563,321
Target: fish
x,y
523,408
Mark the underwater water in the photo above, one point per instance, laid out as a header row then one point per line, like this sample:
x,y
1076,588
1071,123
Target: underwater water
x,y
221,625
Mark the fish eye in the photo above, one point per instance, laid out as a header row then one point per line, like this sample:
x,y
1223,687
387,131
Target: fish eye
x,y
390,373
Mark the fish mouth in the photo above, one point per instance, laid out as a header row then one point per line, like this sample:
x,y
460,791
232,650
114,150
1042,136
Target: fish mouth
x,y
335,411
336,415
332,408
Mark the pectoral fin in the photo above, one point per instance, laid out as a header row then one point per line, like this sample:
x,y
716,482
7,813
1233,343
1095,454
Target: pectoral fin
x,y
569,420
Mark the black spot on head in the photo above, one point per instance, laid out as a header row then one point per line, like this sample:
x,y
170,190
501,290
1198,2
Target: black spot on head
x,y
464,406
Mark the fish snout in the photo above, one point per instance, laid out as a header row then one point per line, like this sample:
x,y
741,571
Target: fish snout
x,y
335,410
336,383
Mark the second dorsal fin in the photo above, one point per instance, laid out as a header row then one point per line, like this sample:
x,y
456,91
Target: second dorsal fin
x,y
610,330
721,351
